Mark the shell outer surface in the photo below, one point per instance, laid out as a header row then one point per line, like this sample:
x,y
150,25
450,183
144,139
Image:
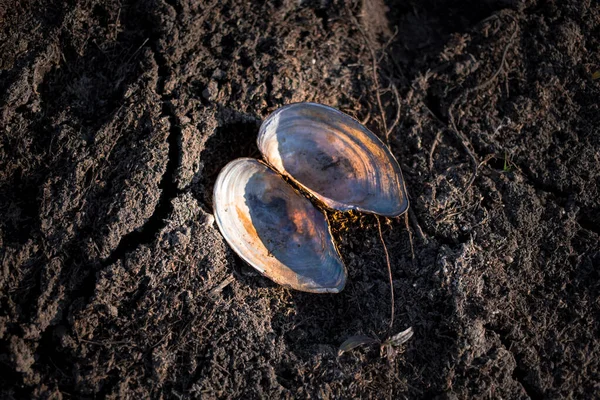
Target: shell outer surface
x,y
335,158
275,229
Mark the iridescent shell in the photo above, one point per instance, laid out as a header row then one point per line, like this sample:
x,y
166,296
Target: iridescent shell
x,y
275,229
335,158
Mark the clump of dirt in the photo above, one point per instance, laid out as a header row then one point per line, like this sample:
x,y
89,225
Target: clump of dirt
x,y
118,115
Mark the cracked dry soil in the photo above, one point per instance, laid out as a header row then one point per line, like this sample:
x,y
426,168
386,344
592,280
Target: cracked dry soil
x,y
117,115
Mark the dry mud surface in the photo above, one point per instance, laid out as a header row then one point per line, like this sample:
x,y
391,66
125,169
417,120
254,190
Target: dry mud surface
x,y
116,116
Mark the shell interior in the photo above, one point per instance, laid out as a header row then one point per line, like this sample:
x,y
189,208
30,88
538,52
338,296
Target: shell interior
x,y
275,229
335,158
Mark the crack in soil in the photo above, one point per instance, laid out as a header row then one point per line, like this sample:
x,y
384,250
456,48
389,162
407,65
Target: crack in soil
x,y
85,289
169,191
544,187
583,219
167,185
176,6
520,372
145,234
585,224
150,229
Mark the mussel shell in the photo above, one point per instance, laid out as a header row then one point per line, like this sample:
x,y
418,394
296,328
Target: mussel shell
x,y
335,158
275,229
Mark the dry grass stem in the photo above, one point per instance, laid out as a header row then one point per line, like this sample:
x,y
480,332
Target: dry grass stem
x,y
433,147
410,237
398,113
375,75
389,266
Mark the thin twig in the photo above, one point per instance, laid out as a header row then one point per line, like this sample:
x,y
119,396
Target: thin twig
x,y
226,282
466,145
500,67
375,77
389,266
453,126
398,112
368,117
138,49
432,151
410,238
416,226
376,80
387,44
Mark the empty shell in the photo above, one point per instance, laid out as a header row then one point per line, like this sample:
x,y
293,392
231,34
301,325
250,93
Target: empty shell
x,y
275,229
335,158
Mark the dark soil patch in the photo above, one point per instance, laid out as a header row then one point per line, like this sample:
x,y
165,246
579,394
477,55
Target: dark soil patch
x,y
117,116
